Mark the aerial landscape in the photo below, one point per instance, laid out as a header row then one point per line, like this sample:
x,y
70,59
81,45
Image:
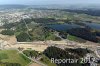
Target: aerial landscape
x,y
49,33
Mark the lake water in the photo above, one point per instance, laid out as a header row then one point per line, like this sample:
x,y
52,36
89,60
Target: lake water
x,y
63,27
93,25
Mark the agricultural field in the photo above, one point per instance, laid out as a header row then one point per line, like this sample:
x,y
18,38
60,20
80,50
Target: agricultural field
x,y
12,56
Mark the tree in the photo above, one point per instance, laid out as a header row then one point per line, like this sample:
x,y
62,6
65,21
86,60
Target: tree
x,y
7,32
22,37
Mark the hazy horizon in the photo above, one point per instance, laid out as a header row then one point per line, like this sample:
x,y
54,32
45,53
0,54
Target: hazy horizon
x,y
49,2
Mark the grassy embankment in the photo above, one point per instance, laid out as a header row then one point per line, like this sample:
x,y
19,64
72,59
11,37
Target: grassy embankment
x,y
12,56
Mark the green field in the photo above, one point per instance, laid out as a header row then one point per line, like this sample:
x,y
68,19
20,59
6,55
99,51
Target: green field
x,y
47,61
77,39
12,56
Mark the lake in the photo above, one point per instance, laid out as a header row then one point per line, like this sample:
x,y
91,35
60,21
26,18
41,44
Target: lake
x,y
66,26
63,27
93,25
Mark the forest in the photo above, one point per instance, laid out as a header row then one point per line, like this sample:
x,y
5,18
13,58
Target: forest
x,y
57,53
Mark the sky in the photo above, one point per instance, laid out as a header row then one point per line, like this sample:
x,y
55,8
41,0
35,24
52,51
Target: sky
x,y
46,2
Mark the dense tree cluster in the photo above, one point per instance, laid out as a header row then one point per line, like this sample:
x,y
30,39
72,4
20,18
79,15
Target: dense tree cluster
x,y
57,53
91,12
22,37
80,52
84,33
7,32
10,25
31,53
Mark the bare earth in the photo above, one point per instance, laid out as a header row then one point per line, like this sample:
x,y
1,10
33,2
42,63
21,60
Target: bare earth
x,y
10,42
41,45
